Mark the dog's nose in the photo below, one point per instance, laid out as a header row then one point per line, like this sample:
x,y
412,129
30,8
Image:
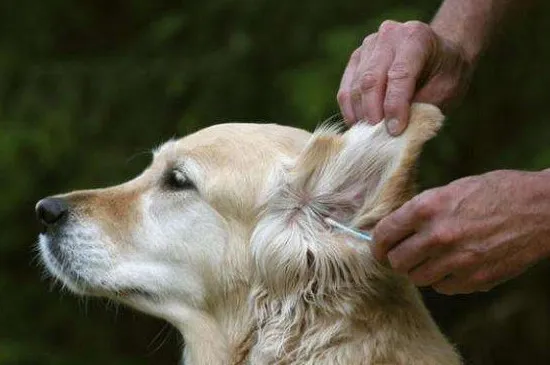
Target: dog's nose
x,y
50,210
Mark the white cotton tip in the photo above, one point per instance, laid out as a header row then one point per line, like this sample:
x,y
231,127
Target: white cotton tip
x,y
362,235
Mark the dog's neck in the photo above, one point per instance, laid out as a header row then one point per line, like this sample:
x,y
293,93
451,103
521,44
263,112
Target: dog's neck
x,y
223,330
219,335
375,317
361,330
223,335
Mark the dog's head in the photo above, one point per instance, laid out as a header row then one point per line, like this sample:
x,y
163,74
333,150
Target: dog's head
x,y
168,233
219,205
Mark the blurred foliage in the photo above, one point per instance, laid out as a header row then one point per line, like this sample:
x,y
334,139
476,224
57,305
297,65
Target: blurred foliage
x,y
88,87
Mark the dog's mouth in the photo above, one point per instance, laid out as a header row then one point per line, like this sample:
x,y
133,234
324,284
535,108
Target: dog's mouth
x,y
53,258
82,272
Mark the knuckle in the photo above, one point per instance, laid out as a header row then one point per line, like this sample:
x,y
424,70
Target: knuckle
x,y
356,55
368,39
396,95
496,175
369,81
393,222
442,235
428,203
343,96
392,104
387,26
476,253
416,29
399,71
355,92
423,206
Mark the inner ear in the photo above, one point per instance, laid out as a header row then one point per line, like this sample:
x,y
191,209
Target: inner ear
x,y
362,175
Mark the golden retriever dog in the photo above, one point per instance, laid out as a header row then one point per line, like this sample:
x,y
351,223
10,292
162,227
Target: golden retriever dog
x,y
224,236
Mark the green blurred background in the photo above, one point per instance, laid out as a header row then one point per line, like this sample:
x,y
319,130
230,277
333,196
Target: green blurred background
x,y
88,87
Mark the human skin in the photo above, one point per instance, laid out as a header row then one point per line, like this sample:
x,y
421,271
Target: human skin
x,y
414,61
473,233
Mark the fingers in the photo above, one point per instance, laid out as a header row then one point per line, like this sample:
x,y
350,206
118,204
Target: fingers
x,y
382,76
437,269
371,75
409,253
408,64
393,229
412,217
344,93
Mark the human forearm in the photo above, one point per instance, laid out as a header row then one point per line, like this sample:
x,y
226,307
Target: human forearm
x,y
470,23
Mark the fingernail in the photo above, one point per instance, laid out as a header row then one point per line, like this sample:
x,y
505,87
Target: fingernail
x,y
394,127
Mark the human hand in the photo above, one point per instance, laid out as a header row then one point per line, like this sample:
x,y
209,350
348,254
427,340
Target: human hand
x,y
401,63
470,235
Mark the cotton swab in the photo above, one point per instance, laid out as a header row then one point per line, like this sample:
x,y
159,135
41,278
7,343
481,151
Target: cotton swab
x,y
362,235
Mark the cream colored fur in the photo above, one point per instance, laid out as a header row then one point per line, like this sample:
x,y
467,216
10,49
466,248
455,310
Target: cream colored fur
x,y
243,263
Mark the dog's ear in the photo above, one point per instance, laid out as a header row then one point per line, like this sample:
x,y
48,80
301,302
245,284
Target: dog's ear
x,y
302,268
357,178
362,175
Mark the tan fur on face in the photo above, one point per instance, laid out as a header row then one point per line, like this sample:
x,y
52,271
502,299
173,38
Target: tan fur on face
x,y
277,285
114,209
235,157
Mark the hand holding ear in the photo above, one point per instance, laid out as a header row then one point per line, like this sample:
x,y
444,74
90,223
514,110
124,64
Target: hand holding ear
x,y
401,63
471,234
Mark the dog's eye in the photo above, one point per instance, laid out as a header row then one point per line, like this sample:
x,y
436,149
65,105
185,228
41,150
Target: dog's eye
x,y
177,180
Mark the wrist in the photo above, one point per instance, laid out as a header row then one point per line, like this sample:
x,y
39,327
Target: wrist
x,y
469,47
467,23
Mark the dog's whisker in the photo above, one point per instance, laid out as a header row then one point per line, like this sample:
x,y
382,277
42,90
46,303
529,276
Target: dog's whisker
x,y
138,154
165,328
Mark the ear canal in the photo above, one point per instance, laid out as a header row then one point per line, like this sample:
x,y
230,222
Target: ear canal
x,y
362,175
